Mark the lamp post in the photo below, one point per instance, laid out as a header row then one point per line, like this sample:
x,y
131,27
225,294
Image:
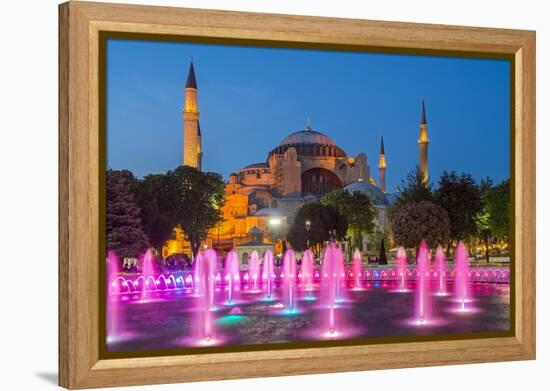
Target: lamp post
x,y
308,227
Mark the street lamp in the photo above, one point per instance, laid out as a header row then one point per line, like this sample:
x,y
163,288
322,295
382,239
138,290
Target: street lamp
x,y
308,227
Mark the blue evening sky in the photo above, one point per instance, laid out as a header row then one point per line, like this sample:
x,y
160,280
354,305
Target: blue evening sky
x,y
250,98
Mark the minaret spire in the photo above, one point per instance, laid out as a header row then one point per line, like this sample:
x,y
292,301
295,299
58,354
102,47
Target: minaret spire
x,y
191,79
382,166
423,114
192,151
423,142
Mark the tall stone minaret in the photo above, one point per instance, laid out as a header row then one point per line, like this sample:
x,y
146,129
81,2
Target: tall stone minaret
x,y
382,166
423,143
192,152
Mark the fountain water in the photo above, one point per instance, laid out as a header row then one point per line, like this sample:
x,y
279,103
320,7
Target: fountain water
x,y
206,281
268,274
357,270
308,272
462,268
423,297
232,275
148,273
401,261
114,321
331,281
289,280
254,270
441,270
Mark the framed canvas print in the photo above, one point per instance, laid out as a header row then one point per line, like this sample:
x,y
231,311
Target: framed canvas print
x,y
248,195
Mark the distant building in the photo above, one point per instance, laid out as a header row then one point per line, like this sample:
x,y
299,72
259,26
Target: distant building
x,y
265,196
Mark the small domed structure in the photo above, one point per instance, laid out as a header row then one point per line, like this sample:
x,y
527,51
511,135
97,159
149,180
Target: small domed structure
x,y
377,196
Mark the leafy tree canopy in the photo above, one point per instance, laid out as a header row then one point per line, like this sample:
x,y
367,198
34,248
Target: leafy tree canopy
x,y
460,196
413,189
325,223
414,221
356,208
193,200
124,230
496,202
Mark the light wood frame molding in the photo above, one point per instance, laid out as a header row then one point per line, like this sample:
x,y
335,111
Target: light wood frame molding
x,y
80,23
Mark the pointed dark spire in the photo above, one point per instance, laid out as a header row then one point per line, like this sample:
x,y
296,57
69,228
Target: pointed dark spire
x,y
423,115
382,146
199,128
191,80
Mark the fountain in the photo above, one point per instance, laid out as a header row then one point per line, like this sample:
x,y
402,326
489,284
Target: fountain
x,y
401,261
114,321
307,272
254,270
423,299
206,281
357,270
148,274
289,280
331,281
268,274
441,270
232,275
462,267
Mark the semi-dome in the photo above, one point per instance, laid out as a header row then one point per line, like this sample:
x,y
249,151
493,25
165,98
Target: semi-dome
x,y
375,194
307,136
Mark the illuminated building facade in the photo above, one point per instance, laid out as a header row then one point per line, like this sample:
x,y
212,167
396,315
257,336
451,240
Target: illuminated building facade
x,y
303,167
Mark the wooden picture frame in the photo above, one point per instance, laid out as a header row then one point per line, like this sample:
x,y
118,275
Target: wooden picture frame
x,y
81,162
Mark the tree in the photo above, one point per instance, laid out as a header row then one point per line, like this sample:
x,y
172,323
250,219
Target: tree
x,y
124,232
414,189
357,209
326,223
193,200
482,218
414,221
461,198
497,204
484,229
152,195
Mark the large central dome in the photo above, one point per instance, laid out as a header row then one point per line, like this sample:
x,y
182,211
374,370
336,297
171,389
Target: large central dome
x,y
307,136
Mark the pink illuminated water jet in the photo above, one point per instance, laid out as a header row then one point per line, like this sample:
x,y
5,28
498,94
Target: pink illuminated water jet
x,y
205,322
422,314
232,275
329,287
289,280
357,271
441,270
401,261
462,267
148,273
114,321
308,272
254,270
268,273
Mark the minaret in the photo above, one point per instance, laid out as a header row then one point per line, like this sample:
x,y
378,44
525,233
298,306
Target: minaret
x,y
191,131
382,166
423,143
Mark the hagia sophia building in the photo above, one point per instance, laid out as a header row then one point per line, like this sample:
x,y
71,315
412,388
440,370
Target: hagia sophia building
x,y
263,198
